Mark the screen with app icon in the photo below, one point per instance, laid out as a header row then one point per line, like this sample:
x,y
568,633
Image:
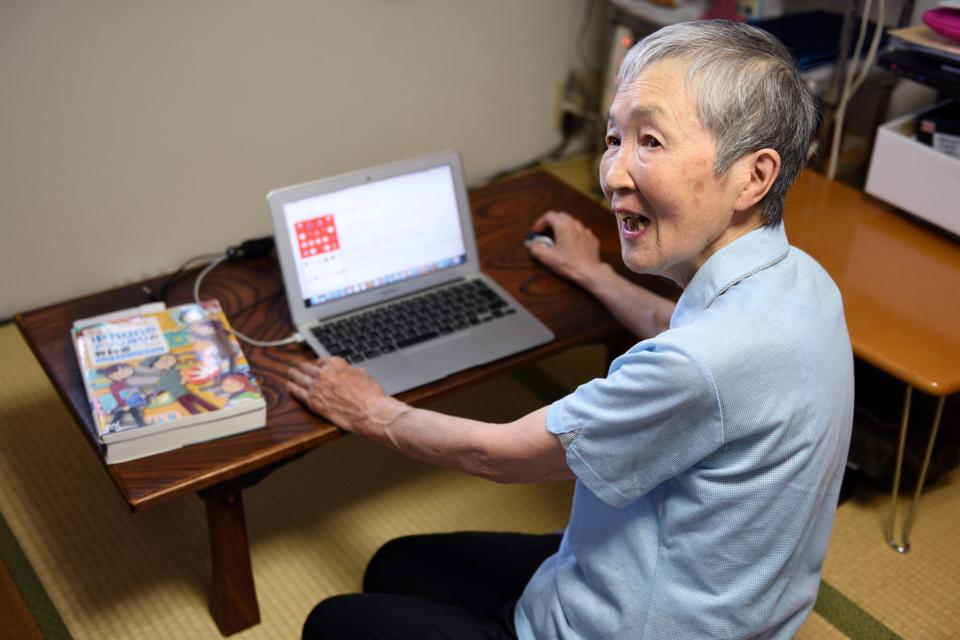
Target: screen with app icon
x,y
375,234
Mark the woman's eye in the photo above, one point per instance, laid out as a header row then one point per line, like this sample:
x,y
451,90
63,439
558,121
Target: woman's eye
x,y
650,142
613,141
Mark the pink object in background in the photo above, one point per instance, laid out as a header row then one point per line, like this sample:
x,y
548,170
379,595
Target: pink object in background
x,y
945,21
725,9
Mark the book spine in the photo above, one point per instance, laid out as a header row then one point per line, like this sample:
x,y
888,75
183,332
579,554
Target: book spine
x,y
80,349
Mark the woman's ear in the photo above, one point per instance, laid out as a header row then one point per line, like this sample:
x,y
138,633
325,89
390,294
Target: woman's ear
x,y
762,168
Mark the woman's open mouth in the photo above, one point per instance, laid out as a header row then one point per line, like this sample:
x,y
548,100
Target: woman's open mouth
x,y
633,224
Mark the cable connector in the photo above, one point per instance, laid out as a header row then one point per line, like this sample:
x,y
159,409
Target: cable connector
x,y
250,249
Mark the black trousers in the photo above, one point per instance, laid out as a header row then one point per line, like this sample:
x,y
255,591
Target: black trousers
x,y
456,586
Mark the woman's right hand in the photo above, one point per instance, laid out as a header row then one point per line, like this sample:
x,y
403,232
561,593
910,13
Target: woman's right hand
x,y
575,253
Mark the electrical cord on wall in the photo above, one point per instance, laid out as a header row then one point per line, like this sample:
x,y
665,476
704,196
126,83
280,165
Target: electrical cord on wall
x,y
851,84
574,117
571,123
582,35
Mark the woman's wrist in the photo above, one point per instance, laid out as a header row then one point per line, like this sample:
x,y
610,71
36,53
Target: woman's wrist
x,y
594,278
381,414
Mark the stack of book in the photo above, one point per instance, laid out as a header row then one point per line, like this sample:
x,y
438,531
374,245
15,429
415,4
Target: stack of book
x,y
158,379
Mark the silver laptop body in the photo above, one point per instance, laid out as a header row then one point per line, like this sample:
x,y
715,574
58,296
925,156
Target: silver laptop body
x,y
380,267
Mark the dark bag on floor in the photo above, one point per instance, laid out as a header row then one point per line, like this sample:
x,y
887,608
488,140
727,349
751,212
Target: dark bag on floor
x,y
876,431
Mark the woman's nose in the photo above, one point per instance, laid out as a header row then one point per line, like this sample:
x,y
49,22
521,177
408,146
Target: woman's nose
x,y
615,173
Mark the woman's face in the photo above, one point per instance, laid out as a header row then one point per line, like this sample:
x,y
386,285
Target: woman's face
x,y
672,211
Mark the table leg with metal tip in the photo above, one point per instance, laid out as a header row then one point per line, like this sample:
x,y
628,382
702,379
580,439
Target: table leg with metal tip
x,y
904,546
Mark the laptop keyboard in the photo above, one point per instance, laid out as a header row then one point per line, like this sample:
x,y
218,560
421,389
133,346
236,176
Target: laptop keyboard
x,y
411,321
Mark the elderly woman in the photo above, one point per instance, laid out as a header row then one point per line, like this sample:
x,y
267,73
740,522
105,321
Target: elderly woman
x,y
708,461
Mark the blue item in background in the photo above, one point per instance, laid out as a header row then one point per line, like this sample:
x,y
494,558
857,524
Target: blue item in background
x,y
812,37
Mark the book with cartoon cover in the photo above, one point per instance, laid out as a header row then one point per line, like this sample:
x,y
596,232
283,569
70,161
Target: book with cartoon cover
x,y
158,379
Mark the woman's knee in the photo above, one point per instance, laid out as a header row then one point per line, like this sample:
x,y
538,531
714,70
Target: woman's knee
x,y
332,618
391,566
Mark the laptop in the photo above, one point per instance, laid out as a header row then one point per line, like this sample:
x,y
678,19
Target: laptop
x,y
380,267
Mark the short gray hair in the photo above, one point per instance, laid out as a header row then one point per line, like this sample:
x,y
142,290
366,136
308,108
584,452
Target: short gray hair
x,y
750,95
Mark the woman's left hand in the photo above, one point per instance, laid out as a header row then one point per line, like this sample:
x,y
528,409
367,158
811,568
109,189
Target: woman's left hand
x,y
330,387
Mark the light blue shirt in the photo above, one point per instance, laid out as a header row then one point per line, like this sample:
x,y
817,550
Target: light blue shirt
x,y
708,462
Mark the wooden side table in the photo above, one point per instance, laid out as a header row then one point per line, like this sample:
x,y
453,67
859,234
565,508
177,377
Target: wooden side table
x,y
900,281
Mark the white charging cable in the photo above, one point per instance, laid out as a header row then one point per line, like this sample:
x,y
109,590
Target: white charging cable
x,y
296,337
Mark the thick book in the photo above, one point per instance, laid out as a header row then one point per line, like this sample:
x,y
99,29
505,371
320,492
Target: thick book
x,y
158,379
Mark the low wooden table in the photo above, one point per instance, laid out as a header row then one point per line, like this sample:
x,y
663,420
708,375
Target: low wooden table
x,y
252,295
900,281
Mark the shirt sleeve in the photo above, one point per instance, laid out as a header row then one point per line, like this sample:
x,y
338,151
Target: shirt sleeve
x,y
655,415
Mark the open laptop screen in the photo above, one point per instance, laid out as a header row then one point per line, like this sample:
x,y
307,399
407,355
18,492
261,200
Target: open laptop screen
x,y
374,234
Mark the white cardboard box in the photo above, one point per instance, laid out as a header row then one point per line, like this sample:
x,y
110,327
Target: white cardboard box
x,y
914,177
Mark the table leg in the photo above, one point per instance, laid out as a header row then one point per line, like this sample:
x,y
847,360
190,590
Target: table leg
x,y
904,547
233,596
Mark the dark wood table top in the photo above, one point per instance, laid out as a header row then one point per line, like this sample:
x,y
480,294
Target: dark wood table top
x,y
252,295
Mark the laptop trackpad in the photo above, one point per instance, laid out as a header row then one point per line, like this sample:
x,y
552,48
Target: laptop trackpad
x,y
442,357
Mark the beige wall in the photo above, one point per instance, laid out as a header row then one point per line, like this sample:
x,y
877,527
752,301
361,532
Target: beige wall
x,y
135,134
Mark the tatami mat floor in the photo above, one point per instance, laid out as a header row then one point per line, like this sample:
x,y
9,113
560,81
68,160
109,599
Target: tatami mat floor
x,y
314,523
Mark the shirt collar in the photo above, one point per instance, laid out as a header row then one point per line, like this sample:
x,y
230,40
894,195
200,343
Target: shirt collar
x,y
758,250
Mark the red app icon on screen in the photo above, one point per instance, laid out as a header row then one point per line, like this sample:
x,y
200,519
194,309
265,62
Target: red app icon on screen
x,y
317,236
